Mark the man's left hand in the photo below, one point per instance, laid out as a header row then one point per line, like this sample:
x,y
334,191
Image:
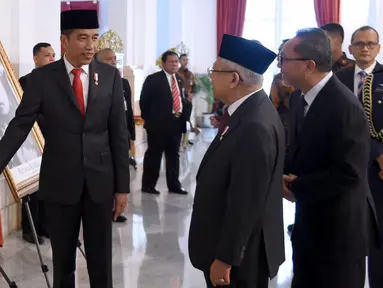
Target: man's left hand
x,y
120,204
287,193
220,273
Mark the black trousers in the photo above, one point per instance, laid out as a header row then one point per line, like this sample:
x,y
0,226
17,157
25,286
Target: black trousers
x,y
159,143
64,226
375,258
38,215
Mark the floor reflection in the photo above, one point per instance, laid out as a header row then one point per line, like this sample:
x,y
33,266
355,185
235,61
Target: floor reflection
x,y
150,250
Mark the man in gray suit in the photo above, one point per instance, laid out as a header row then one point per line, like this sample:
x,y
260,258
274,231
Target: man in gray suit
x,y
85,165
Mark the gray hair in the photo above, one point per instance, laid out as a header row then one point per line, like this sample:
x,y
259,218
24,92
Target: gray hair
x,y
248,77
315,46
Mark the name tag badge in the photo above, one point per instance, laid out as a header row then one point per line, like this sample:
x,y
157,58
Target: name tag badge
x,y
379,89
125,105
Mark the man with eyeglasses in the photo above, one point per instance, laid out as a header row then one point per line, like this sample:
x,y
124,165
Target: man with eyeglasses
x,y
364,47
326,169
236,231
366,81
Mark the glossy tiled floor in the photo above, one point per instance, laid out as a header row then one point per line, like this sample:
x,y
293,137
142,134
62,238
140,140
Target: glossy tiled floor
x,y
150,250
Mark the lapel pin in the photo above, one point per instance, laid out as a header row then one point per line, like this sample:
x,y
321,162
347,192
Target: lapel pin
x,y
95,77
380,102
224,132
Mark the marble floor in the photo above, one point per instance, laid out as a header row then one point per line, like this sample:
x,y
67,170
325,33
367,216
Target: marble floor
x,y
150,250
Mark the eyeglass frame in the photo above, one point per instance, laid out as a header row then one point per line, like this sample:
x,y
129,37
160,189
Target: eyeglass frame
x,y
360,45
211,70
280,59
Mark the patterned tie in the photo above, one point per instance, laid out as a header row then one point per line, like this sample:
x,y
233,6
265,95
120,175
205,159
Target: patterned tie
x,y
176,95
78,90
362,75
224,119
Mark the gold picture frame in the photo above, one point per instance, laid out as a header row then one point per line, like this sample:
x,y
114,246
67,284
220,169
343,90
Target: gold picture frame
x,y
23,171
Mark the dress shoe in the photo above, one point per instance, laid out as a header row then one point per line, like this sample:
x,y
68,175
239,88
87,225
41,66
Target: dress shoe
x,y
29,238
180,191
120,219
151,191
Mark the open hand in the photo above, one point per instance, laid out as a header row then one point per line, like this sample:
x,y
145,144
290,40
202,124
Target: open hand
x,y
120,204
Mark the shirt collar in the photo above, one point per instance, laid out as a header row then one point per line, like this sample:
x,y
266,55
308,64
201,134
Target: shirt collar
x,y
368,70
234,106
167,74
69,67
310,95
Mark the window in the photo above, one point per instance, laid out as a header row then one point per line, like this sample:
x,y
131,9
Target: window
x,y
278,20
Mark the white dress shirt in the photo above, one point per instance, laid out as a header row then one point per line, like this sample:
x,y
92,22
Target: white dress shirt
x,y
234,106
169,77
357,77
84,78
313,93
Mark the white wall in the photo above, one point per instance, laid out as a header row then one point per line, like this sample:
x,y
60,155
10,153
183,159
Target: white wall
x,y
19,32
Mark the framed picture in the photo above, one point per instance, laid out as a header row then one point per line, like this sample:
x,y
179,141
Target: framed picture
x,y
22,172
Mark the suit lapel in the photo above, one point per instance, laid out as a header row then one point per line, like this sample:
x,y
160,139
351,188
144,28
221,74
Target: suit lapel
x,y
315,111
63,81
94,82
251,103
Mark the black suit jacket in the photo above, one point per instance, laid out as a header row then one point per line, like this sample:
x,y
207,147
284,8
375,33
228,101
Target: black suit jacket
x,y
24,80
92,149
129,109
237,208
330,157
156,104
346,76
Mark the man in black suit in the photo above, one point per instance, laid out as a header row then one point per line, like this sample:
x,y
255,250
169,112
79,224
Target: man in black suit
x,y
165,111
43,54
85,165
326,169
108,56
364,47
236,231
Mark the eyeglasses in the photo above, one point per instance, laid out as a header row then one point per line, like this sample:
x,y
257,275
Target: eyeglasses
x,y
210,71
282,59
361,45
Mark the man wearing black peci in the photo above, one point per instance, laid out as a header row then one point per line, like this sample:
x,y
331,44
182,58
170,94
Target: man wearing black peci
x,y
165,112
85,166
236,231
43,54
326,169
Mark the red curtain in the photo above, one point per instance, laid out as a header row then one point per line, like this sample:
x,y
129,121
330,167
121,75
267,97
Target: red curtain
x,y
327,11
230,18
81,5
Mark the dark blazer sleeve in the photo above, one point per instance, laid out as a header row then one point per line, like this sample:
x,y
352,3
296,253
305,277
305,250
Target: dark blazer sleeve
x,y
119,137
129,113
246,195
349,152
20,126
23,82
145,97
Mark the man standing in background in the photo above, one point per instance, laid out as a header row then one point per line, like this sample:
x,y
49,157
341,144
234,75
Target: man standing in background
x,y
335,33
108,56
43,54
165,111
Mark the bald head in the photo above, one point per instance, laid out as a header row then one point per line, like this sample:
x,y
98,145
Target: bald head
x,y
107,56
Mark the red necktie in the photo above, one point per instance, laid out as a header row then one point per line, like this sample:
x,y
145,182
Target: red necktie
x,y
77,89
223,120
176,95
